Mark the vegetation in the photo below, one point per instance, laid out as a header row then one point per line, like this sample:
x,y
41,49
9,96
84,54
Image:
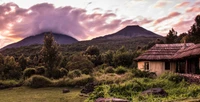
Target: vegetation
x,y
132,89
50,54
107,63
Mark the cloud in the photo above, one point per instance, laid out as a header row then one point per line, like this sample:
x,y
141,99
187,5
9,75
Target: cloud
x,y
183,25
196,4
160,4
171,15
193,9
183,4
18,23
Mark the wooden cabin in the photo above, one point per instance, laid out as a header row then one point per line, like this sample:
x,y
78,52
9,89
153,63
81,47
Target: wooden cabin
x,y
161,58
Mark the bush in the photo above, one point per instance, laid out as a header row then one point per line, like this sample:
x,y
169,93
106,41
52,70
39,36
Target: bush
x,y
142,74
172,77
86,71
64,72
121,70
109,70
38,81
56,74
78,81
40,70
74,73
28,72
9,83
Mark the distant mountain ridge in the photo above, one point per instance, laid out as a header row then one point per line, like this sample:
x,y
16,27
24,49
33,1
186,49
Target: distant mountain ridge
x,y
130,32
39,38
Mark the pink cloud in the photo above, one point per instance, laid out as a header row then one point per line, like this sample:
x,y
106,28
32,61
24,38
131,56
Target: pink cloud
x,y
183,25
193,9
171,15
75,22
160,4
183,4
197,3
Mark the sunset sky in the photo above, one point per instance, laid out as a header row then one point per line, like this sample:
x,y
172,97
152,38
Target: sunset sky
x,y
86,19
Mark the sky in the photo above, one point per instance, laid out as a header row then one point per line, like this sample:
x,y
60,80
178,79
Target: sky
x,y
87,19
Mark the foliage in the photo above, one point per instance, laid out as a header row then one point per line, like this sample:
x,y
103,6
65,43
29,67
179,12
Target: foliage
x,y
194,32
92,50
171,36
80,62
9,69
172,77
123,58
141,74
109,69
40,70
64,72
22,62
132,89
28,72
38,81
121,70
107,57
9,83
74,73
51,55
78,81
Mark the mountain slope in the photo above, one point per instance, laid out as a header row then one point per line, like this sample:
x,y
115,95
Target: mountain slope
x,y
38,39
130,32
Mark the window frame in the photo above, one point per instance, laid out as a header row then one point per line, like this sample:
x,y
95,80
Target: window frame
x,y
146,66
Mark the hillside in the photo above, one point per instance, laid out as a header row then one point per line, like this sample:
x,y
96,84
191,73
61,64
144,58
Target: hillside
x,y
103,45
131,37
38,39
130,32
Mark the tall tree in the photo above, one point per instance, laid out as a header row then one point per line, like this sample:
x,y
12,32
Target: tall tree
x,y
50,54
22,62
171,36
194,32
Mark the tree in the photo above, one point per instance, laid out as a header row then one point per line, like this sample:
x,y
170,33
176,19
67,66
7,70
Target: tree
x,y
22,62
194,32
50,54
92,50
93,54
171,36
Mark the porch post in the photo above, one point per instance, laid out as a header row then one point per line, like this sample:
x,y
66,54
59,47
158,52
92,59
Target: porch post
x,y
186,66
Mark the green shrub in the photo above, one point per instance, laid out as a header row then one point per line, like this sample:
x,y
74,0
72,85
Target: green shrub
x,y
64,72
142,74
121,70
109,69
78,81
56,73
40,70
86,71
28,72
38,81
172,77
74,73
8,83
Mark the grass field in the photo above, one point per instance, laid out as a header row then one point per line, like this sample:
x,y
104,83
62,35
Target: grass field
x,y
25,94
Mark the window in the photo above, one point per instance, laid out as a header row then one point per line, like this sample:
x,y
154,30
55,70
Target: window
x,y
167,65
146,66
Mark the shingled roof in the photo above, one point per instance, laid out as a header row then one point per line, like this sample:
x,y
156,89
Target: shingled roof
x,y
188,52
163,51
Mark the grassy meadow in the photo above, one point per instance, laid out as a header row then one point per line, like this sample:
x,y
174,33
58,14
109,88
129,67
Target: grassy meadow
x,y
25,94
